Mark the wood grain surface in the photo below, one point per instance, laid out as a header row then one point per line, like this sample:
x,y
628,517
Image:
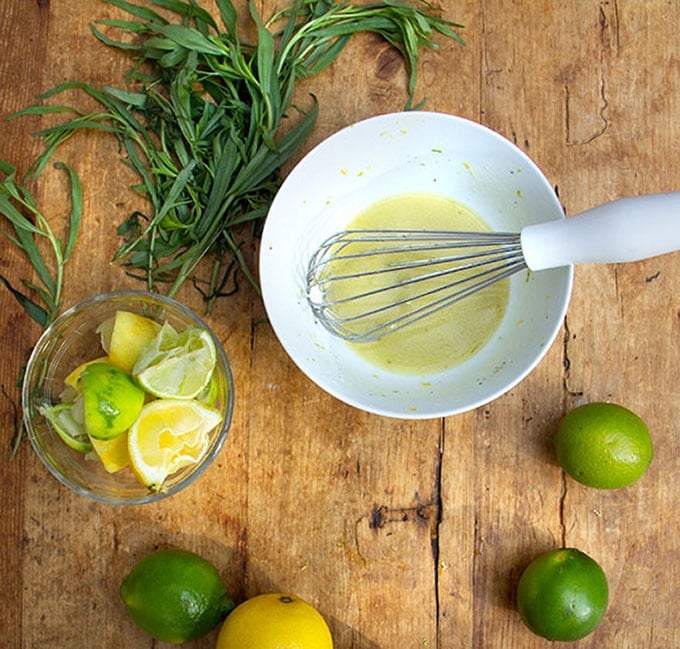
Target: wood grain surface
x,y
404,534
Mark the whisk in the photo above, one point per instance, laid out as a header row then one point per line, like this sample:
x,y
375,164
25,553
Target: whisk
x,y
364,284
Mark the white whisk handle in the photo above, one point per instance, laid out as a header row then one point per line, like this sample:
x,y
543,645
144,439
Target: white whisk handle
x,y
628,229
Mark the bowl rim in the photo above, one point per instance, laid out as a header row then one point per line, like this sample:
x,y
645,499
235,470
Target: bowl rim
x,y
378,124
220,437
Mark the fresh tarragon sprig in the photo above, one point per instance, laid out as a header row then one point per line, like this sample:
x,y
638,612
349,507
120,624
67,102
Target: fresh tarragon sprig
x,y
31,233
201,119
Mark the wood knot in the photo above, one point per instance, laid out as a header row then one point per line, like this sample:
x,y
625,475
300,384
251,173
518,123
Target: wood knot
x,y
389,64
382,515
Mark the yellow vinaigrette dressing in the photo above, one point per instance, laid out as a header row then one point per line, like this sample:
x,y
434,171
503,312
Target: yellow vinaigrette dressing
x,y
450,336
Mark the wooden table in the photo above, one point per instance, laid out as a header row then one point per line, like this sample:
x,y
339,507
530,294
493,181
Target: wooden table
x,y
404,534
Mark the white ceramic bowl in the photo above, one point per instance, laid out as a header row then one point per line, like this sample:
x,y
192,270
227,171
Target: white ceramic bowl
x,y
391,154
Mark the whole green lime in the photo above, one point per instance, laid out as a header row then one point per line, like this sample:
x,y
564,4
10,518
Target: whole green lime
x,y
175,595
562,595
603,445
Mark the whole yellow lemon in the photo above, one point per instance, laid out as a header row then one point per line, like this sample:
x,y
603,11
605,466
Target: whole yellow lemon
x,y
275,621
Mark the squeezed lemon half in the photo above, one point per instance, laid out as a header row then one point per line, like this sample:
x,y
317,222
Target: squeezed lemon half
x,y
168,435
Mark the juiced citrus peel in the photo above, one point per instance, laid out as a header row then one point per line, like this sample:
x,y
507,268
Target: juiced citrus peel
x,y
147,404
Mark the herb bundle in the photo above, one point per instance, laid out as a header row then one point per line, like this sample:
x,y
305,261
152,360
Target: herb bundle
x,y
200,120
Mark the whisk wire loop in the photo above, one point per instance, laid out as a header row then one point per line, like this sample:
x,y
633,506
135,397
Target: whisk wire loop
x,y
352,269
483,280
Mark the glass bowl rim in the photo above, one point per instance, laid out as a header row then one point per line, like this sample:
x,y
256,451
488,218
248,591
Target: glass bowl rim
x,y
220,437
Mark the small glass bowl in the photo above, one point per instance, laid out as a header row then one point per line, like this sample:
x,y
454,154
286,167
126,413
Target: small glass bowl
x,y
71,340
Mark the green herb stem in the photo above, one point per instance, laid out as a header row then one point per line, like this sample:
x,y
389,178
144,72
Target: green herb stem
x,y
29,226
